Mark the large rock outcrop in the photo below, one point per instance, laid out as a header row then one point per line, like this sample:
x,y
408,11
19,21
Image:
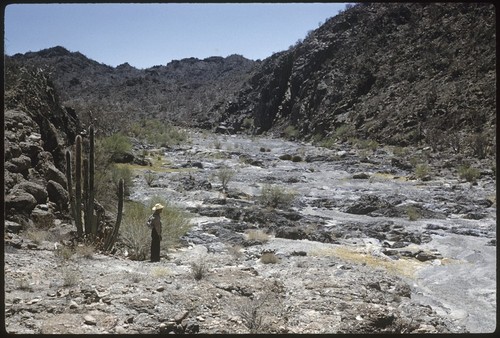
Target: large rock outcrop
x,y
398,73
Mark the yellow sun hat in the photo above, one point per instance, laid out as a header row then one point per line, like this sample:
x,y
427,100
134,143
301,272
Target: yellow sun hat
x,y
157,206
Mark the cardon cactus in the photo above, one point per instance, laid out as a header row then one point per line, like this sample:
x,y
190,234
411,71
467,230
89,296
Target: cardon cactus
x,y
90,203
78,184
114,234
70,192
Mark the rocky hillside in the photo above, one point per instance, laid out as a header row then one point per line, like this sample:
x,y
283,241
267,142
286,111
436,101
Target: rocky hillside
x,y
180,91
37,133
398,73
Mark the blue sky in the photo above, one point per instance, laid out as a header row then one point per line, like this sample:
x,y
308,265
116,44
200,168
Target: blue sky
x,y
151,34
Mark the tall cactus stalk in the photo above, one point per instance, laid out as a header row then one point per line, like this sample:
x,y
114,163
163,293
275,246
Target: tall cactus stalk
x,y
71,195
112,238
78,184
93,224
86,196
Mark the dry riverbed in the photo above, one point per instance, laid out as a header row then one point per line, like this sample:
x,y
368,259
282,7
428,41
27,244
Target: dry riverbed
x,y
365,247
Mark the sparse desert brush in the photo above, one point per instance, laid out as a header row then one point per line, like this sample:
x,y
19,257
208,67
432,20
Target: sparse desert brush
x,y
286,157
199,270
85,251
276,197
225,175
296,158
137,236
23,284
269,258
37,236
159,271
70,277
150,177
413,213
257,235
468,173
64,252
422,171
235,251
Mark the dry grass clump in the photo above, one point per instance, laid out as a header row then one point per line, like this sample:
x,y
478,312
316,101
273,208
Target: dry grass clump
x,y
269,258
64,252
235,251
85,250
159,271
257,235
37,236
198,270
70,277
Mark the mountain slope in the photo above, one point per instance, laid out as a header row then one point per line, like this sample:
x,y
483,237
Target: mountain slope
x,y
395,72
178,92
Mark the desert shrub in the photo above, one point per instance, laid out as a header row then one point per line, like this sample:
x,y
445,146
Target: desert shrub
x,y
468,173
400,151
257,235
217,144
225,175
291,132
150,177
159,271
479,144
263,310
37,236
343,132
413,213
269,258
70,276
86,251
365,144
137,236
158,133
116,145
64,252
422,171
276,197
235,251
247,123
297,158
286,157
262,149
23,284
198,270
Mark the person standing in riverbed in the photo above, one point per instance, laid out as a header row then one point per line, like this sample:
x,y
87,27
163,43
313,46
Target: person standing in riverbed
x,y
156,232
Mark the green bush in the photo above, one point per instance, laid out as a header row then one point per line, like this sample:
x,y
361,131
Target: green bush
x,y
137,236
286,157
269,258
158,133
291,132
422,171
276,197
116,145
344,132
468,173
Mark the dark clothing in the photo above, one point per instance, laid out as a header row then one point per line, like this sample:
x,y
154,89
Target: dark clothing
x,y
155,246
155,238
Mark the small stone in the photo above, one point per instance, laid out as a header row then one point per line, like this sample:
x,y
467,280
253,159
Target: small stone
x,y
73,305
51,294
34,301
145,300
160,288
200,319
89,320
181,316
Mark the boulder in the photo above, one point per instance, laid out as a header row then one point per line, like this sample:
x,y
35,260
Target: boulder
x,y
20,201
58,195
19,164
39,192
53,174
